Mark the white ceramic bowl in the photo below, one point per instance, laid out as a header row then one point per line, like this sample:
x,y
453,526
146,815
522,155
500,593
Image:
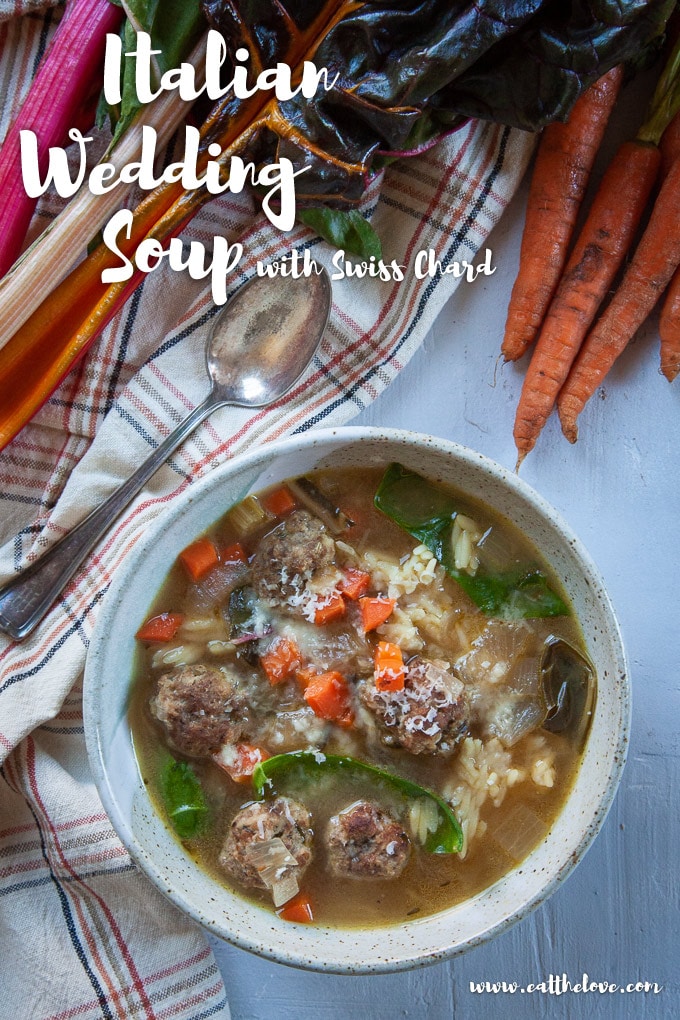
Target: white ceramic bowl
x,y
109,667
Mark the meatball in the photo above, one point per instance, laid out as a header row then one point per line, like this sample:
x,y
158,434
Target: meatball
x,y
258,824
428,716
199,708
296,552
363,841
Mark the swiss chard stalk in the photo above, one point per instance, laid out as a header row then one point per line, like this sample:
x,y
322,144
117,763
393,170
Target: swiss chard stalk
x,y
183,799
445,838
427,513
59,90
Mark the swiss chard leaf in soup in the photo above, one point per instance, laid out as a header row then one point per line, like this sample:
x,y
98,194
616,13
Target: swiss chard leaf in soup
x,y
446,835
428,513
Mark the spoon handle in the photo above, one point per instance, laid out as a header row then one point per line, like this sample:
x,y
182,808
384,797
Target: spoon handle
x,y
26,598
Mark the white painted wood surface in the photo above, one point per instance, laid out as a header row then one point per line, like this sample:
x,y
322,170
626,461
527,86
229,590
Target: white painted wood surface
x,y
616,917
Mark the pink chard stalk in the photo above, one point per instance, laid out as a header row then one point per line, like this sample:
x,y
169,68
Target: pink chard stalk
x,y
55,100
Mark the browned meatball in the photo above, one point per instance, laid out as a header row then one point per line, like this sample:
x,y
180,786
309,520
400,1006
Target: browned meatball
x,y
430,714
253,827
363,841
199,708
294,553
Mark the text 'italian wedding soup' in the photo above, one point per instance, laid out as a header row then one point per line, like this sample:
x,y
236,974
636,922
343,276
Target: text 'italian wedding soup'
x,y
360,697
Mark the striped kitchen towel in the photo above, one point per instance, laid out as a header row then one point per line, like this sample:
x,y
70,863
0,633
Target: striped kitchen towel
x,y
83,934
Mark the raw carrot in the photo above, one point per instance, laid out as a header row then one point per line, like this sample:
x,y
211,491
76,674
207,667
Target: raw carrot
x,y
328,696
355,583
670,145
389,672
669,322
667,93
602,245
604,241
280,502
375,611
160,628
655,261
298,909
199,558
564,160
669,329
333,608
281,660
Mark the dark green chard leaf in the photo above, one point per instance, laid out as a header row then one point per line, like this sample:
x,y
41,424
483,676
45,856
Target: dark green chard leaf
x,y
447,838
348,230
176,27
427,513
518,62
183,799
535,75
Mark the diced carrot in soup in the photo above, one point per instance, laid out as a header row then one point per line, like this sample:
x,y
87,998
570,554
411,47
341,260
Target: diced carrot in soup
x,y
375,611
160,628
328,695
355,583
332,608
298,909
280,502
239,761
281,660
389,667
234,553
199,558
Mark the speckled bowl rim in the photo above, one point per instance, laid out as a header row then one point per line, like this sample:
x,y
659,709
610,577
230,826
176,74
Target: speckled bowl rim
x,y
308,946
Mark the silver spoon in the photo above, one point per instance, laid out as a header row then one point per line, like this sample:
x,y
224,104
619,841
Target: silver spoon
x,y
257,349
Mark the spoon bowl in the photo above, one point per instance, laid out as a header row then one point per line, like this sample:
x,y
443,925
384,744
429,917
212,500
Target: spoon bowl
x,y
263,340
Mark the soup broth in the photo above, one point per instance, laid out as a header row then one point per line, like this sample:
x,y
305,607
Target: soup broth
x,y
279,600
